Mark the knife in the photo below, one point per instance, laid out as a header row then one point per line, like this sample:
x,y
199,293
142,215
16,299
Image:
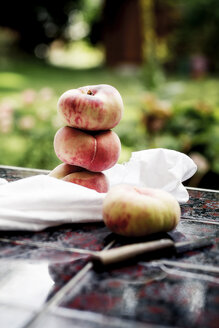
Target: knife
x,y
120,254
123,253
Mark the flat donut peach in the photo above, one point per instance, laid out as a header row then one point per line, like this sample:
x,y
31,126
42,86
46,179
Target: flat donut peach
x,y
95,152
93,108
92,180
143,211
64,169
75,174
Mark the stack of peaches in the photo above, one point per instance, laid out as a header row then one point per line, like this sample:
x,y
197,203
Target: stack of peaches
x,y
86,145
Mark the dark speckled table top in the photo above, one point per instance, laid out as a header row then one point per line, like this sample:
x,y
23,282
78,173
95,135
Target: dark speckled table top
x,y
47,280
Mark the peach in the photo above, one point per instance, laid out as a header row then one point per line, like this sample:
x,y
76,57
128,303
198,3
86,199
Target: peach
x,y
93,108
94,151
71,173
134,211
64,169
93,180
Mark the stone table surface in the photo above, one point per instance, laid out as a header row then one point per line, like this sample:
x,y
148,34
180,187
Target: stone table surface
x,y
47,280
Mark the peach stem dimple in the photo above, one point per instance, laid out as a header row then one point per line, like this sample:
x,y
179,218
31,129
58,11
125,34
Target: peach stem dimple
x,y
90,93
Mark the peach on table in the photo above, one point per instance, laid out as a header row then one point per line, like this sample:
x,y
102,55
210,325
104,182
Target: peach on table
x,y
137,211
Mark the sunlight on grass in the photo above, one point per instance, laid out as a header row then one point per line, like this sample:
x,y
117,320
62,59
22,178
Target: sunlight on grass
x,y
9,80
14,147
190,91
75,55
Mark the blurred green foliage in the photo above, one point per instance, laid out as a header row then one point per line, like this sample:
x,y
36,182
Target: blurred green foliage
x,y
29,91
191,127
181,115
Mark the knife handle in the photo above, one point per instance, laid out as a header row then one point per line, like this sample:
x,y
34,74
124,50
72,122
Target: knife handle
x,y
123,253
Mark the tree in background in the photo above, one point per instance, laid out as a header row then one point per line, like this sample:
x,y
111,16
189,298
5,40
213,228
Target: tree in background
x,y
37,21
194,39
182,29
122,32
174,31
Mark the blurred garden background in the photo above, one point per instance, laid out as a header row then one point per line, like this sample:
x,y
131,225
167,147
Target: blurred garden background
x,y
162,56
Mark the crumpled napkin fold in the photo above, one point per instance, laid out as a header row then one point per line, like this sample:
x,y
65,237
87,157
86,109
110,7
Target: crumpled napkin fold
x,y
41,201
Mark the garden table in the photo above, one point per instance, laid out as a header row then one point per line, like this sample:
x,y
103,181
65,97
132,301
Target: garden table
x,y
48,280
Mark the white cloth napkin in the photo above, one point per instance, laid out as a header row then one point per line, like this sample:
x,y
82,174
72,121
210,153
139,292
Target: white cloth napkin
x,y
38,202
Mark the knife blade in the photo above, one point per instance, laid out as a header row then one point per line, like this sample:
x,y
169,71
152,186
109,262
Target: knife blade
x,y
124,253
